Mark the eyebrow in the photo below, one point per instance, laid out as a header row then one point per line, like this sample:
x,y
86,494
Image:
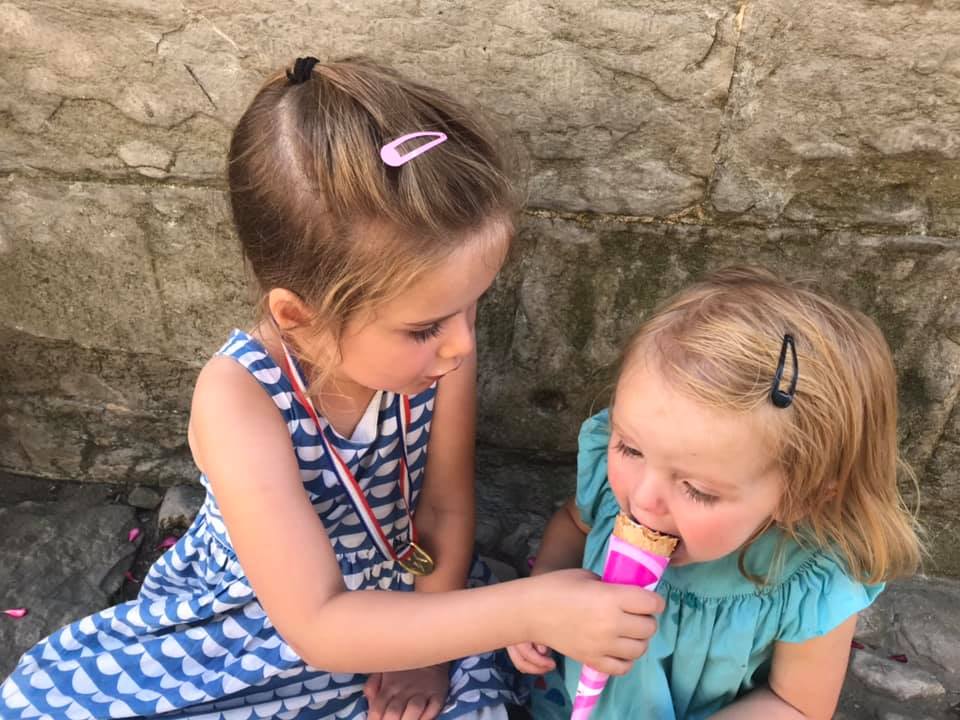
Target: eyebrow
x,y
719,484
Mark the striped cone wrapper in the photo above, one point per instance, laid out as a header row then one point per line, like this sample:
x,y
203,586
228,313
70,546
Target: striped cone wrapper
x,y
637,556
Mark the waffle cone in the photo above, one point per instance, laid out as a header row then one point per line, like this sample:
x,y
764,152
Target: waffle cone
x,y
643,537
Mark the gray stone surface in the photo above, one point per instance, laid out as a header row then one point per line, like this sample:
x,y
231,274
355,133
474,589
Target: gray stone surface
x,y
920,619
180,505
144,498
844,113
502,571
121,268
549,338
898,680
152,89
916,621
61,560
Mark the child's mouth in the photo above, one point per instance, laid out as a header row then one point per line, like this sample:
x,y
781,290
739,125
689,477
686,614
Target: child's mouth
x,y
633,519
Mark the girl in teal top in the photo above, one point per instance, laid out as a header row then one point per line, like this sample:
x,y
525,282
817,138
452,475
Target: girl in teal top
x,y
755,421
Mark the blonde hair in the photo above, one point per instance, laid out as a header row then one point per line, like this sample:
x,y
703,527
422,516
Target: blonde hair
x,y
319,213
719,341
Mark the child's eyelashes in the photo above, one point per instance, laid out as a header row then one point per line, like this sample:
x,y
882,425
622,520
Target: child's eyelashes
x,y
426,333
628,451
698,495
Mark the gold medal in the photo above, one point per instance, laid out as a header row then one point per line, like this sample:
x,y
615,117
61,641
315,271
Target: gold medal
x,y
418,562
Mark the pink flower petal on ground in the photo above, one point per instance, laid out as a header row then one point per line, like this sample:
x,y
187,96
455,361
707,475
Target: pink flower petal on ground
x,y
856,645
899,658
129,576
167,542
16,612
133,534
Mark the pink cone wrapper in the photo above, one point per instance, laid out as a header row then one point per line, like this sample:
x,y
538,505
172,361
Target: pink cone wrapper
x,y
626,564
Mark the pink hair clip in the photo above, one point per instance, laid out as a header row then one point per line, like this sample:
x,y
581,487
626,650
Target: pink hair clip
x,y
392,157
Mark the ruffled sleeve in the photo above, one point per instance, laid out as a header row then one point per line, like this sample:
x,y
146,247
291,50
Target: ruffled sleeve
x,y
819,597
595,499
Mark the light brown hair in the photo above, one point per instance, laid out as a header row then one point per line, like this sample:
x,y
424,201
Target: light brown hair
x,y
719,342
319,213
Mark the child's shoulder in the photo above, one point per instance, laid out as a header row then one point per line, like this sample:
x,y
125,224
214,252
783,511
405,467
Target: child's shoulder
x,y
807,591
244,351
240,377
595,499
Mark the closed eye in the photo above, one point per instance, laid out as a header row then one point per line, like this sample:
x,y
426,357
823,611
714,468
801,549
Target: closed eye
x,y
698,495
628,451
426,333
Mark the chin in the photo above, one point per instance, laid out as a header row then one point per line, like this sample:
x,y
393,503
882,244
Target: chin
x,y
415,388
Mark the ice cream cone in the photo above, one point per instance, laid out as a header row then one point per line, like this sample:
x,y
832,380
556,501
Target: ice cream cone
x,y
637,556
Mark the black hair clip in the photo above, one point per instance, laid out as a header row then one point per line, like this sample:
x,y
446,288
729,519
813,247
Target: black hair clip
x,y
781,398
302,70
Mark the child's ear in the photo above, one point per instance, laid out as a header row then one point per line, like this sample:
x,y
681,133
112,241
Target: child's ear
x,y
289,312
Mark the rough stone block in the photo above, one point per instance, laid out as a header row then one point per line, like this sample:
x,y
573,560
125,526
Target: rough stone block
x,y
617,107
894,679
844,114
180,506
135,269
65,560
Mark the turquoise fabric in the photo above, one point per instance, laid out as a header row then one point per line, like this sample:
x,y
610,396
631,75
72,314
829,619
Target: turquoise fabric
x,y
715,639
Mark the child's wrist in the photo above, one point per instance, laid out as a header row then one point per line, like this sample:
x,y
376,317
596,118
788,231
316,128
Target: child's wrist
x,y
537,598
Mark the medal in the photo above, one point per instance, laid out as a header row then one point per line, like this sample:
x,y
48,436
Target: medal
x,y
418,561
413,558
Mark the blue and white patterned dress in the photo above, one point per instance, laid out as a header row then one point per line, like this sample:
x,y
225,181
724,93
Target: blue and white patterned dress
x,y
196,644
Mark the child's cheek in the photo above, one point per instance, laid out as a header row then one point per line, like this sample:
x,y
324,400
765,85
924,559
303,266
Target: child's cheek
x,y
615,476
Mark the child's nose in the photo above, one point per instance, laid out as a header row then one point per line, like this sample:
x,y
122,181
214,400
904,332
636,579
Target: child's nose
x,y
460,339
647,496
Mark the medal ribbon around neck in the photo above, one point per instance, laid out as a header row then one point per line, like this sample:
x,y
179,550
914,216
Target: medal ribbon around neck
x,y
413,558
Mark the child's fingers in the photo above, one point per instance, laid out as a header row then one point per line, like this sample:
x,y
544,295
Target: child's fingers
x,y
528,659
394,708
629,649
434,706
414,709
542,649
637,627
372,686
518,656
377,704
541,662
638,601
612,665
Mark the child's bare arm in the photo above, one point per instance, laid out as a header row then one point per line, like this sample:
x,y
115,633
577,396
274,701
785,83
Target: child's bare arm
x,y
242,444
563,540
805,680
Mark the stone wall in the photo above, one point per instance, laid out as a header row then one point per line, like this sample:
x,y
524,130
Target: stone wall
x,y
661,140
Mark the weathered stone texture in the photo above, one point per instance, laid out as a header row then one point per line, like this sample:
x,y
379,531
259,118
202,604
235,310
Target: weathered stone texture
x,y
65,560
93,413
593,90
844,113
139,269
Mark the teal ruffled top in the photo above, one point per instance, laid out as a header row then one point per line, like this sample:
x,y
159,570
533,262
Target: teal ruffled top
x,y
715,640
